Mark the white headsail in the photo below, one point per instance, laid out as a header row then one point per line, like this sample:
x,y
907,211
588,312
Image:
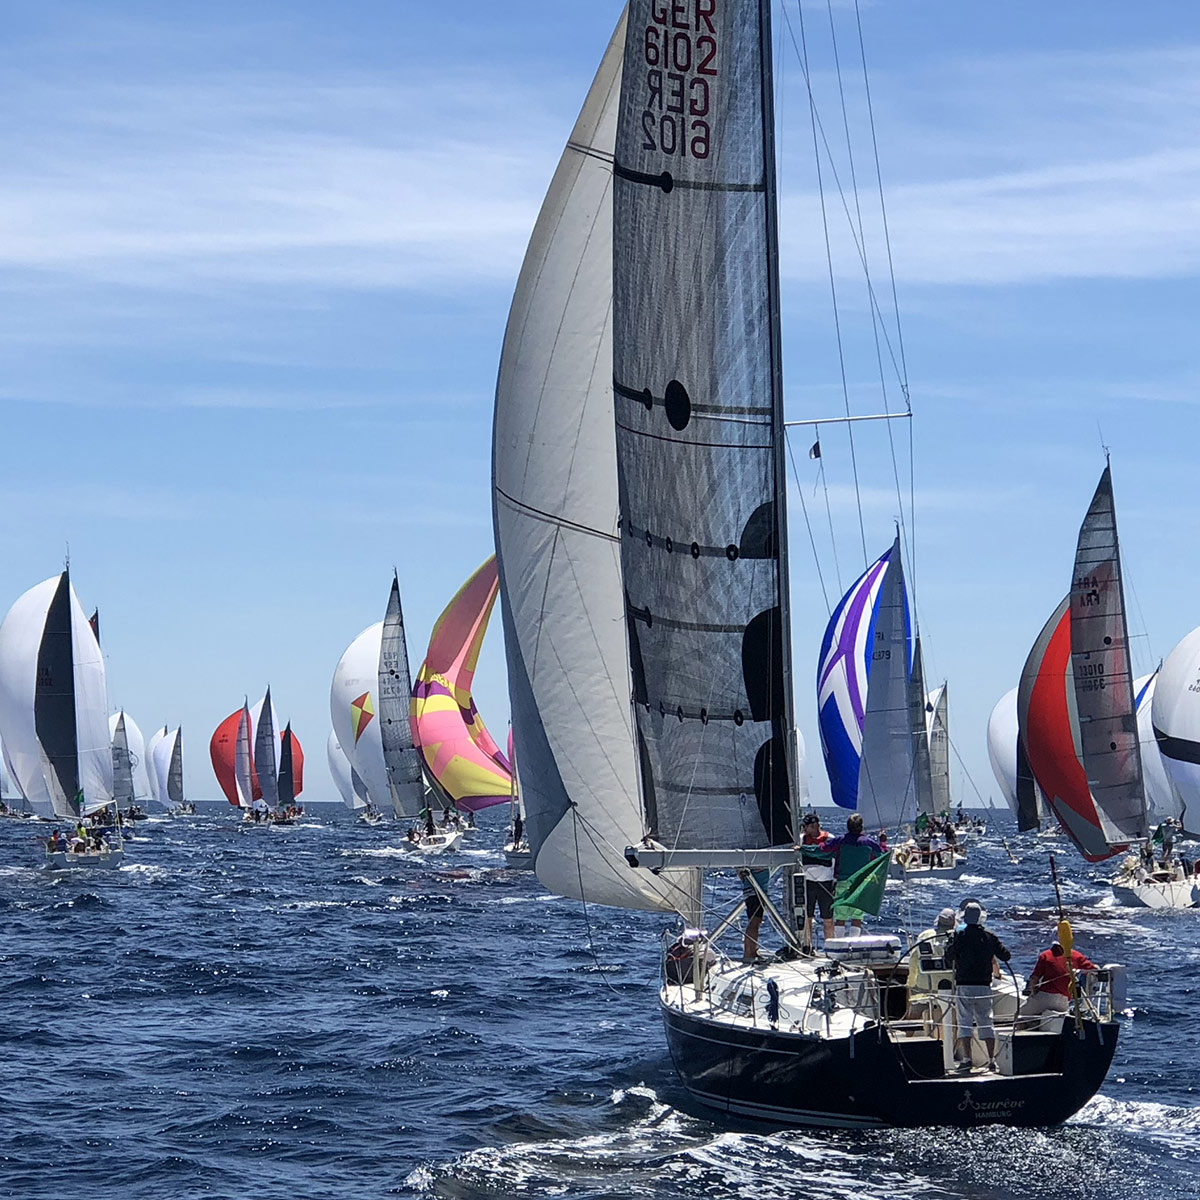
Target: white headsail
x,y
353,704
1175,714
53,702
156,737
339,770
555,511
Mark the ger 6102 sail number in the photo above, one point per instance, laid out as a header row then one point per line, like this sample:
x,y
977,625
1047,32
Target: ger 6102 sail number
x,y
680,51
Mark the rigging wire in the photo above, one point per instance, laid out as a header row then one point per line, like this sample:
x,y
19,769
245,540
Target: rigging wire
x,y
808,525
802,50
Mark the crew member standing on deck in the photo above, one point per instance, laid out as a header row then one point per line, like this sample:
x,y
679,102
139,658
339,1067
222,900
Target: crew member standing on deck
x,y
971,952
754,909
816,866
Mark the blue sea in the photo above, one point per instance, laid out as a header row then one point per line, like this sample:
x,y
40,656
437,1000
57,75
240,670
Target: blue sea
x,y
314,1011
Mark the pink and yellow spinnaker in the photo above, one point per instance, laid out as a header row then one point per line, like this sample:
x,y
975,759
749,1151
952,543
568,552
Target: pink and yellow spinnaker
x,y
458,750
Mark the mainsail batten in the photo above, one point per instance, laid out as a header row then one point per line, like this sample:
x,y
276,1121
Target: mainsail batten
x,y
698,415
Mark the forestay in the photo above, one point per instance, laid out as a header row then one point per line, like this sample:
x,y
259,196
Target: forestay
x,y
698,414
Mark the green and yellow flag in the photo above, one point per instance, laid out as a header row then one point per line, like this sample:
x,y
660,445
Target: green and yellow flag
x,y
862,893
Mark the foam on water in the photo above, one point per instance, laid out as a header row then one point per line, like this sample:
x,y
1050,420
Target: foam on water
x,y
269,1018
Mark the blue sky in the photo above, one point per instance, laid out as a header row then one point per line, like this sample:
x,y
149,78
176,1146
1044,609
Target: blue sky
x,y
255,262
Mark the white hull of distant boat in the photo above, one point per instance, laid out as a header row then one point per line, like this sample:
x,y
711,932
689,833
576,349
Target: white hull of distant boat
x,y
63,860
518,858
435,843
1156,893
900,869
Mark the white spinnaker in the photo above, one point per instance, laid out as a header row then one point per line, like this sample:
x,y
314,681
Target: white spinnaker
x,y
356,675
1002,745
1175,713
20,636
1162,797
93,741
139,757
554,488
339,769
151,746
160,763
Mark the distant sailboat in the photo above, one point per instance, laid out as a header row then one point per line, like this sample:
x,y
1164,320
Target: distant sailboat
x,y
248,742
460,755
1075,706
369,702
167,769
54,712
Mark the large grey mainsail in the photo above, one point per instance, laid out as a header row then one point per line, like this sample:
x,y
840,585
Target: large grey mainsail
x,y
1103,678
918,723
401,758
122,766
265,761
886,786
698,407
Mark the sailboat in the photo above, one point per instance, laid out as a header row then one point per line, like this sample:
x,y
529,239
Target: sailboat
x,y
656,570
166,768
1077,709
246,753
54,717
348,782
369,701
461,758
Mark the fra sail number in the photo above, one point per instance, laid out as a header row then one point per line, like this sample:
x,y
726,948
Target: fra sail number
x,y
680,48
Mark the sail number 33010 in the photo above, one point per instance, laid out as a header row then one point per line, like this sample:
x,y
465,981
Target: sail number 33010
x,y
680,50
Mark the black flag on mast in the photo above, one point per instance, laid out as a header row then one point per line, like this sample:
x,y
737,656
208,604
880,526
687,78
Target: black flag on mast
x,y
815,451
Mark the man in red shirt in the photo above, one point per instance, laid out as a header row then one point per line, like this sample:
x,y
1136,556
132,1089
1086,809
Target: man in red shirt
x,y
1049,986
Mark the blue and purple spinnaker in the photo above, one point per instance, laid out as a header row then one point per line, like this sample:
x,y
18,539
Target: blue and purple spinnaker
x,y
842,674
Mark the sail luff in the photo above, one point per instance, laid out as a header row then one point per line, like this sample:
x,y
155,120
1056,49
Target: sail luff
x,y
1103,676
695,370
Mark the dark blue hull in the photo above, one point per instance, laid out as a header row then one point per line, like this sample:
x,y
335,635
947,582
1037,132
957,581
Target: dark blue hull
x,y
872,1079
